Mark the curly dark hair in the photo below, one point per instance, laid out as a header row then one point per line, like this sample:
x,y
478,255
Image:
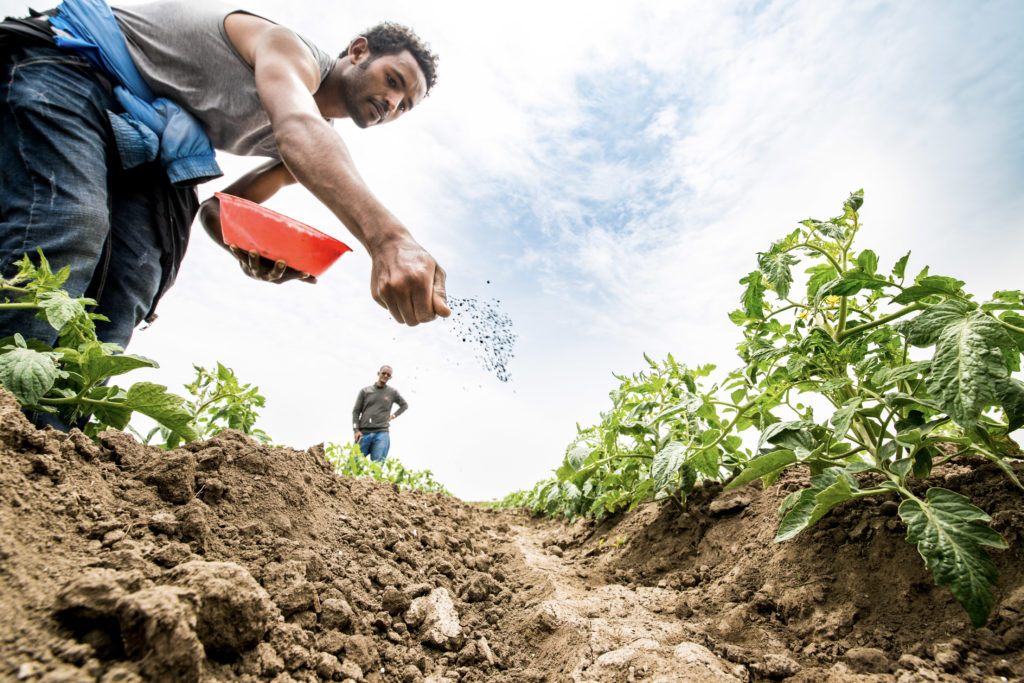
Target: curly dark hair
x,y
389,38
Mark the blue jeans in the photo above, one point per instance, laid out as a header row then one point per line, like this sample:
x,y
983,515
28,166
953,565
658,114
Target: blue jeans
x,y
64,191
375,446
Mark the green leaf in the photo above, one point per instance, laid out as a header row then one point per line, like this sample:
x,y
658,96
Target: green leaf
x,y
834,383
1017,321
842,419
112,416
828,229
666,463
798,517
792,434
867,261
968,367
901,467
1011,398
762,466
820,275
97,364
828,498
900,268
924,330
854,201
753,295
153,400
852,282
776,269
59,309
946,534
886,376
929,285
28,374
577,455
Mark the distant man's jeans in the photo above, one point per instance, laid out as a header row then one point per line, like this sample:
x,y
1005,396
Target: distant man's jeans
x,y
375,446
63,190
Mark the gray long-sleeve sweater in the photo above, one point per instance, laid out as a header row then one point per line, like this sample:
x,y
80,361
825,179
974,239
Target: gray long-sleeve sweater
x,y
373,408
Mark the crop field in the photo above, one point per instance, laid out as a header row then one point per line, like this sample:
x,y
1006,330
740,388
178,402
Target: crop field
x,y
844,505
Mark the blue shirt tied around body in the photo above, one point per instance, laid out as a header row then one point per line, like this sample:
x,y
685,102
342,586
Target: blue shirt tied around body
x,y
150,126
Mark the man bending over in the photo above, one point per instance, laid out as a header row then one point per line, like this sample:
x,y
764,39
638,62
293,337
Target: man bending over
x,y
103,184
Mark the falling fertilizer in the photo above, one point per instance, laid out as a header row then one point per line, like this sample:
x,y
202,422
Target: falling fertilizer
x,y
488,330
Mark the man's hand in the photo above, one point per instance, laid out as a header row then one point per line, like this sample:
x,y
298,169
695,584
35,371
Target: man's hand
x,y
260,268
358,435
407,281
256,186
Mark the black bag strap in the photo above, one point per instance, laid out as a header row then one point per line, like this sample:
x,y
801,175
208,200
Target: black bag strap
x,y
31,31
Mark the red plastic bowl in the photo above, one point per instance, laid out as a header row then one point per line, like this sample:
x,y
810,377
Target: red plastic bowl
x,y
275,236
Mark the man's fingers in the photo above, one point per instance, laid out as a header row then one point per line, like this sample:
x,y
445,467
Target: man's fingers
x,y
278,270
441,294
254,261
306,277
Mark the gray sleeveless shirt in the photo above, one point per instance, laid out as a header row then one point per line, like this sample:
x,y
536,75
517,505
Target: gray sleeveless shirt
x,y
183,53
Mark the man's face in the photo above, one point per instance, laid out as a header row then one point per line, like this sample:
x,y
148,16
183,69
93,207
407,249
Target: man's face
x,y
380,89
383,375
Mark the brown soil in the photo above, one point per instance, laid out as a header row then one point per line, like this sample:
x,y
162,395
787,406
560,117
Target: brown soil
x,y
226,560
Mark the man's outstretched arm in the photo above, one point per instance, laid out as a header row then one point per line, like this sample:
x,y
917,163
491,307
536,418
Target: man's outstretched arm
x,y
405,279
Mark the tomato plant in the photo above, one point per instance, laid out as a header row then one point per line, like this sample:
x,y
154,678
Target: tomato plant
x,y
349,461
912,372
219,401
70,381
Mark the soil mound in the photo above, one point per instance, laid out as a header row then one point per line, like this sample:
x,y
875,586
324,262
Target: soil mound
x,y
226,560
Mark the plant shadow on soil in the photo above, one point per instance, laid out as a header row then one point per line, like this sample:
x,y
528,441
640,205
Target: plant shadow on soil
x,y
226,560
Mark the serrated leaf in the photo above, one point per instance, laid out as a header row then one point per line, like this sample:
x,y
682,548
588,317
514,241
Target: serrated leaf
x,y
58,308
828,498
96,364
929,285
830,230
1011,398
900,268
924,330
820,275
835,383
666,463
762,466
153,400
842,419
112,416
854,201
753,295
948,537
852,282
776,269
28,374
886,375
968,367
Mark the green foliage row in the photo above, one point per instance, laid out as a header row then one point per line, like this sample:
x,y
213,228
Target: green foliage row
x,y
349,461
913,371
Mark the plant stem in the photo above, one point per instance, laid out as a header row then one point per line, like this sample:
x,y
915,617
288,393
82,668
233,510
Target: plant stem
x,y
880,321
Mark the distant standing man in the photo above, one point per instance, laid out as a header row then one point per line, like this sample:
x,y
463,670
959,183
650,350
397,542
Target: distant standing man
x,y
371,416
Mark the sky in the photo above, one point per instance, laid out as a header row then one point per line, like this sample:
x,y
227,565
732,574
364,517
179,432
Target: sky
x,y
607,171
